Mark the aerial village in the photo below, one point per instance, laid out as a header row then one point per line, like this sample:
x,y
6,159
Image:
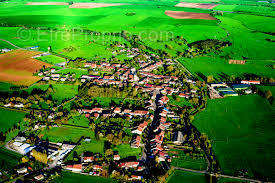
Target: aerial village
x,y
152,123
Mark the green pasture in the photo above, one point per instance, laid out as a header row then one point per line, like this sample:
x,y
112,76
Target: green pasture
x,y
5,87
8,159
185,161
9,117
212,65
179,102
52,59
80,120
241,131
65,133
125,150
69,177
179,176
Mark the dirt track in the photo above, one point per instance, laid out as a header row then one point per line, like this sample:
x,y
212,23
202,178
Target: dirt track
x,y
188,15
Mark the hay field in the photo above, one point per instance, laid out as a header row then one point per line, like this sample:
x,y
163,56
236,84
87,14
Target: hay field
x,y
18,66
47,3
241,129
188,15
94,5
196,5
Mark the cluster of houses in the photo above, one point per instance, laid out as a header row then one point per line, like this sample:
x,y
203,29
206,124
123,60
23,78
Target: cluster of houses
x,y
47,152
94,164
50,74
220,90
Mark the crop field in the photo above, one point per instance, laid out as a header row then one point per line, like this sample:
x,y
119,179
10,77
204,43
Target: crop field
x,y
21,63
188,177
185,161
215,65
8,118
64,133
241,130
69,177
188,15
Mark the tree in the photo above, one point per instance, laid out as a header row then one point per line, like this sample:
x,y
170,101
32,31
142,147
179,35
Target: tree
x,y
210,79
268,94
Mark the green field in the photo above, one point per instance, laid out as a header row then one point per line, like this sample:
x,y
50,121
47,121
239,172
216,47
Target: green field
x,y
185,161
214,66
52,59
60,134
68,177
79,121
241,130
186,177
8,159
125,150
9,117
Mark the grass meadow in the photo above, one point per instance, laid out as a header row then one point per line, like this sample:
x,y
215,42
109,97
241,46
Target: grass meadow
x,y
65,133
69,177
186,177
9,117
241,131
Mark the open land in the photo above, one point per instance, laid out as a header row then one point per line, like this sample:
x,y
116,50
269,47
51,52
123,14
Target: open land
x,y
47,3
105,85
94,5
196,5
18,67
188,15
240,125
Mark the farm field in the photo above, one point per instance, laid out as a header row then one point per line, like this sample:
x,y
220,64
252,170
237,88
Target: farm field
x,y
118,38
178,176
185,161
68,177
65,133
9,117
8,159
21,63
241,131
215,65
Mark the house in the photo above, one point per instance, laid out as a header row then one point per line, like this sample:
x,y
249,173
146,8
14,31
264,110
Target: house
x,y
136,142
178,138
140,128
240,86
19,105
22,170
87,159
254,82
131,164
97,167
116,157
229,93
39,177
218,84
117,110
135,177
74,167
